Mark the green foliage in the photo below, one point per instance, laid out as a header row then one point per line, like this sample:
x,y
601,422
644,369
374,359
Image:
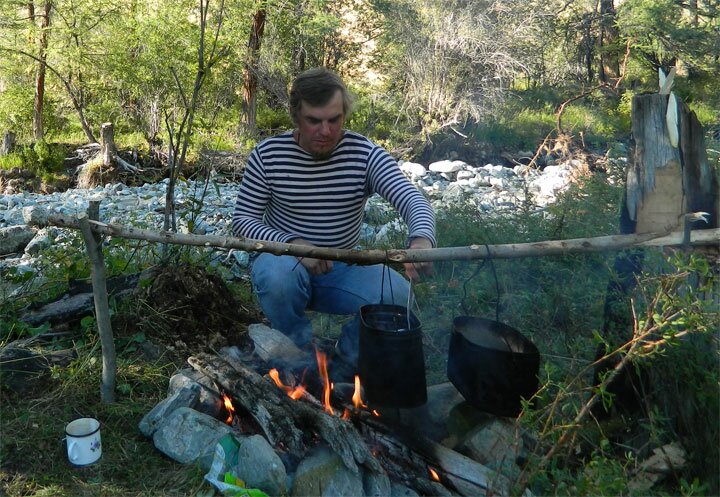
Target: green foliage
x,y
376,115
11,161
44,159
664,30
273,119
522,130
16,110
130,465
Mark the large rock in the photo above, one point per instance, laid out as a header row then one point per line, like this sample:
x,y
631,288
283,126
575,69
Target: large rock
x,y
189,437
322,473
376,484
430,419
275,348
209,400
413,169
41,241
259,466
447,166
497,444
14,239
184,397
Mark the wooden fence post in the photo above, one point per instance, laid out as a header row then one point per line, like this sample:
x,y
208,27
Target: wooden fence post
x,y
100,296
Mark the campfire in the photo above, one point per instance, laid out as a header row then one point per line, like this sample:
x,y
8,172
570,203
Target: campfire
x,y
300,391
299,412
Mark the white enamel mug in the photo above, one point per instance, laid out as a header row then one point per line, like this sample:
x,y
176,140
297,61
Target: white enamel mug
x,y
83,441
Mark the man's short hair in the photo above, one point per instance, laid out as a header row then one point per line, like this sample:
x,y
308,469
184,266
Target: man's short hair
x,y
316,87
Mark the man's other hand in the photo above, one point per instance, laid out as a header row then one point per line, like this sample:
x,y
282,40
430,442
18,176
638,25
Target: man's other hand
x,y
313,266
413,270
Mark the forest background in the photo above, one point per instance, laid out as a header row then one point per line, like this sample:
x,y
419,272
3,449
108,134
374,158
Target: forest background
x,y
481,81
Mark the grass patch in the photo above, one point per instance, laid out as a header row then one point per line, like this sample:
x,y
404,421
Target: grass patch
x,y
33,452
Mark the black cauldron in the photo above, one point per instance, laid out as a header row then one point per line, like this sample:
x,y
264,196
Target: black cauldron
x,y
391,364
492,365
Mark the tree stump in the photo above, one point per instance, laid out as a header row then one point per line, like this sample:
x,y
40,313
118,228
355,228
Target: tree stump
x,y
665,182
107,142
8,143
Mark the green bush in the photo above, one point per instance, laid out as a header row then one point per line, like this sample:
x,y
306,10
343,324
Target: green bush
x,y
13,160
376,116
42,158
273,119
521,130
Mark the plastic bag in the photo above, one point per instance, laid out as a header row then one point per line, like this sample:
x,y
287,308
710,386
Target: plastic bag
x,y
221,475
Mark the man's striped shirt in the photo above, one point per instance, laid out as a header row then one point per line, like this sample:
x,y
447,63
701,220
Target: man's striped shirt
x,y
285,193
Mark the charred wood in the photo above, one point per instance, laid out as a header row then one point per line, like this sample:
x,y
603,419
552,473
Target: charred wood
x,y
285,422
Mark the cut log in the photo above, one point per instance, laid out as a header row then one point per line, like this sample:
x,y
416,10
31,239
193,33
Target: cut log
x,y
285,422
78,302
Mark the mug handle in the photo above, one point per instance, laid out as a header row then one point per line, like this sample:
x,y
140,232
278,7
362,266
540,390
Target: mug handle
x,y
73,451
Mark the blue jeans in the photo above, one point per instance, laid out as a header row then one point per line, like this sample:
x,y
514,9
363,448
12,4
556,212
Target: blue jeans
x,y
285,290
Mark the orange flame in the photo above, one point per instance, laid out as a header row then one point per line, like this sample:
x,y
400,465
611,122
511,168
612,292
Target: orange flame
x,y
375,413
435,476
357,398
294,393
230,409
346,414
273,373
322,369
297,392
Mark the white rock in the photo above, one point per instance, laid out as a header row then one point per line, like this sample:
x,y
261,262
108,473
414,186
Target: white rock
x,y
446,166
413,168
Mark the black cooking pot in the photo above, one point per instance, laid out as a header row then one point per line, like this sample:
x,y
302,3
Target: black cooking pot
x,y
492,365
391,364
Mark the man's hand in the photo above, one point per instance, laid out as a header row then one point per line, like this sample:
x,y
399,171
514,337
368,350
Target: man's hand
x,y
313,266
413,270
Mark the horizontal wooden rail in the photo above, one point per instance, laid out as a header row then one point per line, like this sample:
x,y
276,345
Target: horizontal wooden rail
x,y
708,237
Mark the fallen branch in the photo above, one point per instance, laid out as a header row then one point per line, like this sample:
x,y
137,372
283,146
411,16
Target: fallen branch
x,y
38,217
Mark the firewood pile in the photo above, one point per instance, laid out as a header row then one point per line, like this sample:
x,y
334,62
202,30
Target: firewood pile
x,y
296,434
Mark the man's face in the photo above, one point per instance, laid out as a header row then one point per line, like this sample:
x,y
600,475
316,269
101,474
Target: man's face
x,y
320,128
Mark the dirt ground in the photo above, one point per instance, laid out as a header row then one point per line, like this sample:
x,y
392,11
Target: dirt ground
x,y
184,310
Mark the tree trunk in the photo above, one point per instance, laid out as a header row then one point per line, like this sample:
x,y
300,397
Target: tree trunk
x,y
609,56
38,129
31,17
667,180
250,81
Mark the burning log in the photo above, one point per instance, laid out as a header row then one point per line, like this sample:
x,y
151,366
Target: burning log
x,y
285,422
